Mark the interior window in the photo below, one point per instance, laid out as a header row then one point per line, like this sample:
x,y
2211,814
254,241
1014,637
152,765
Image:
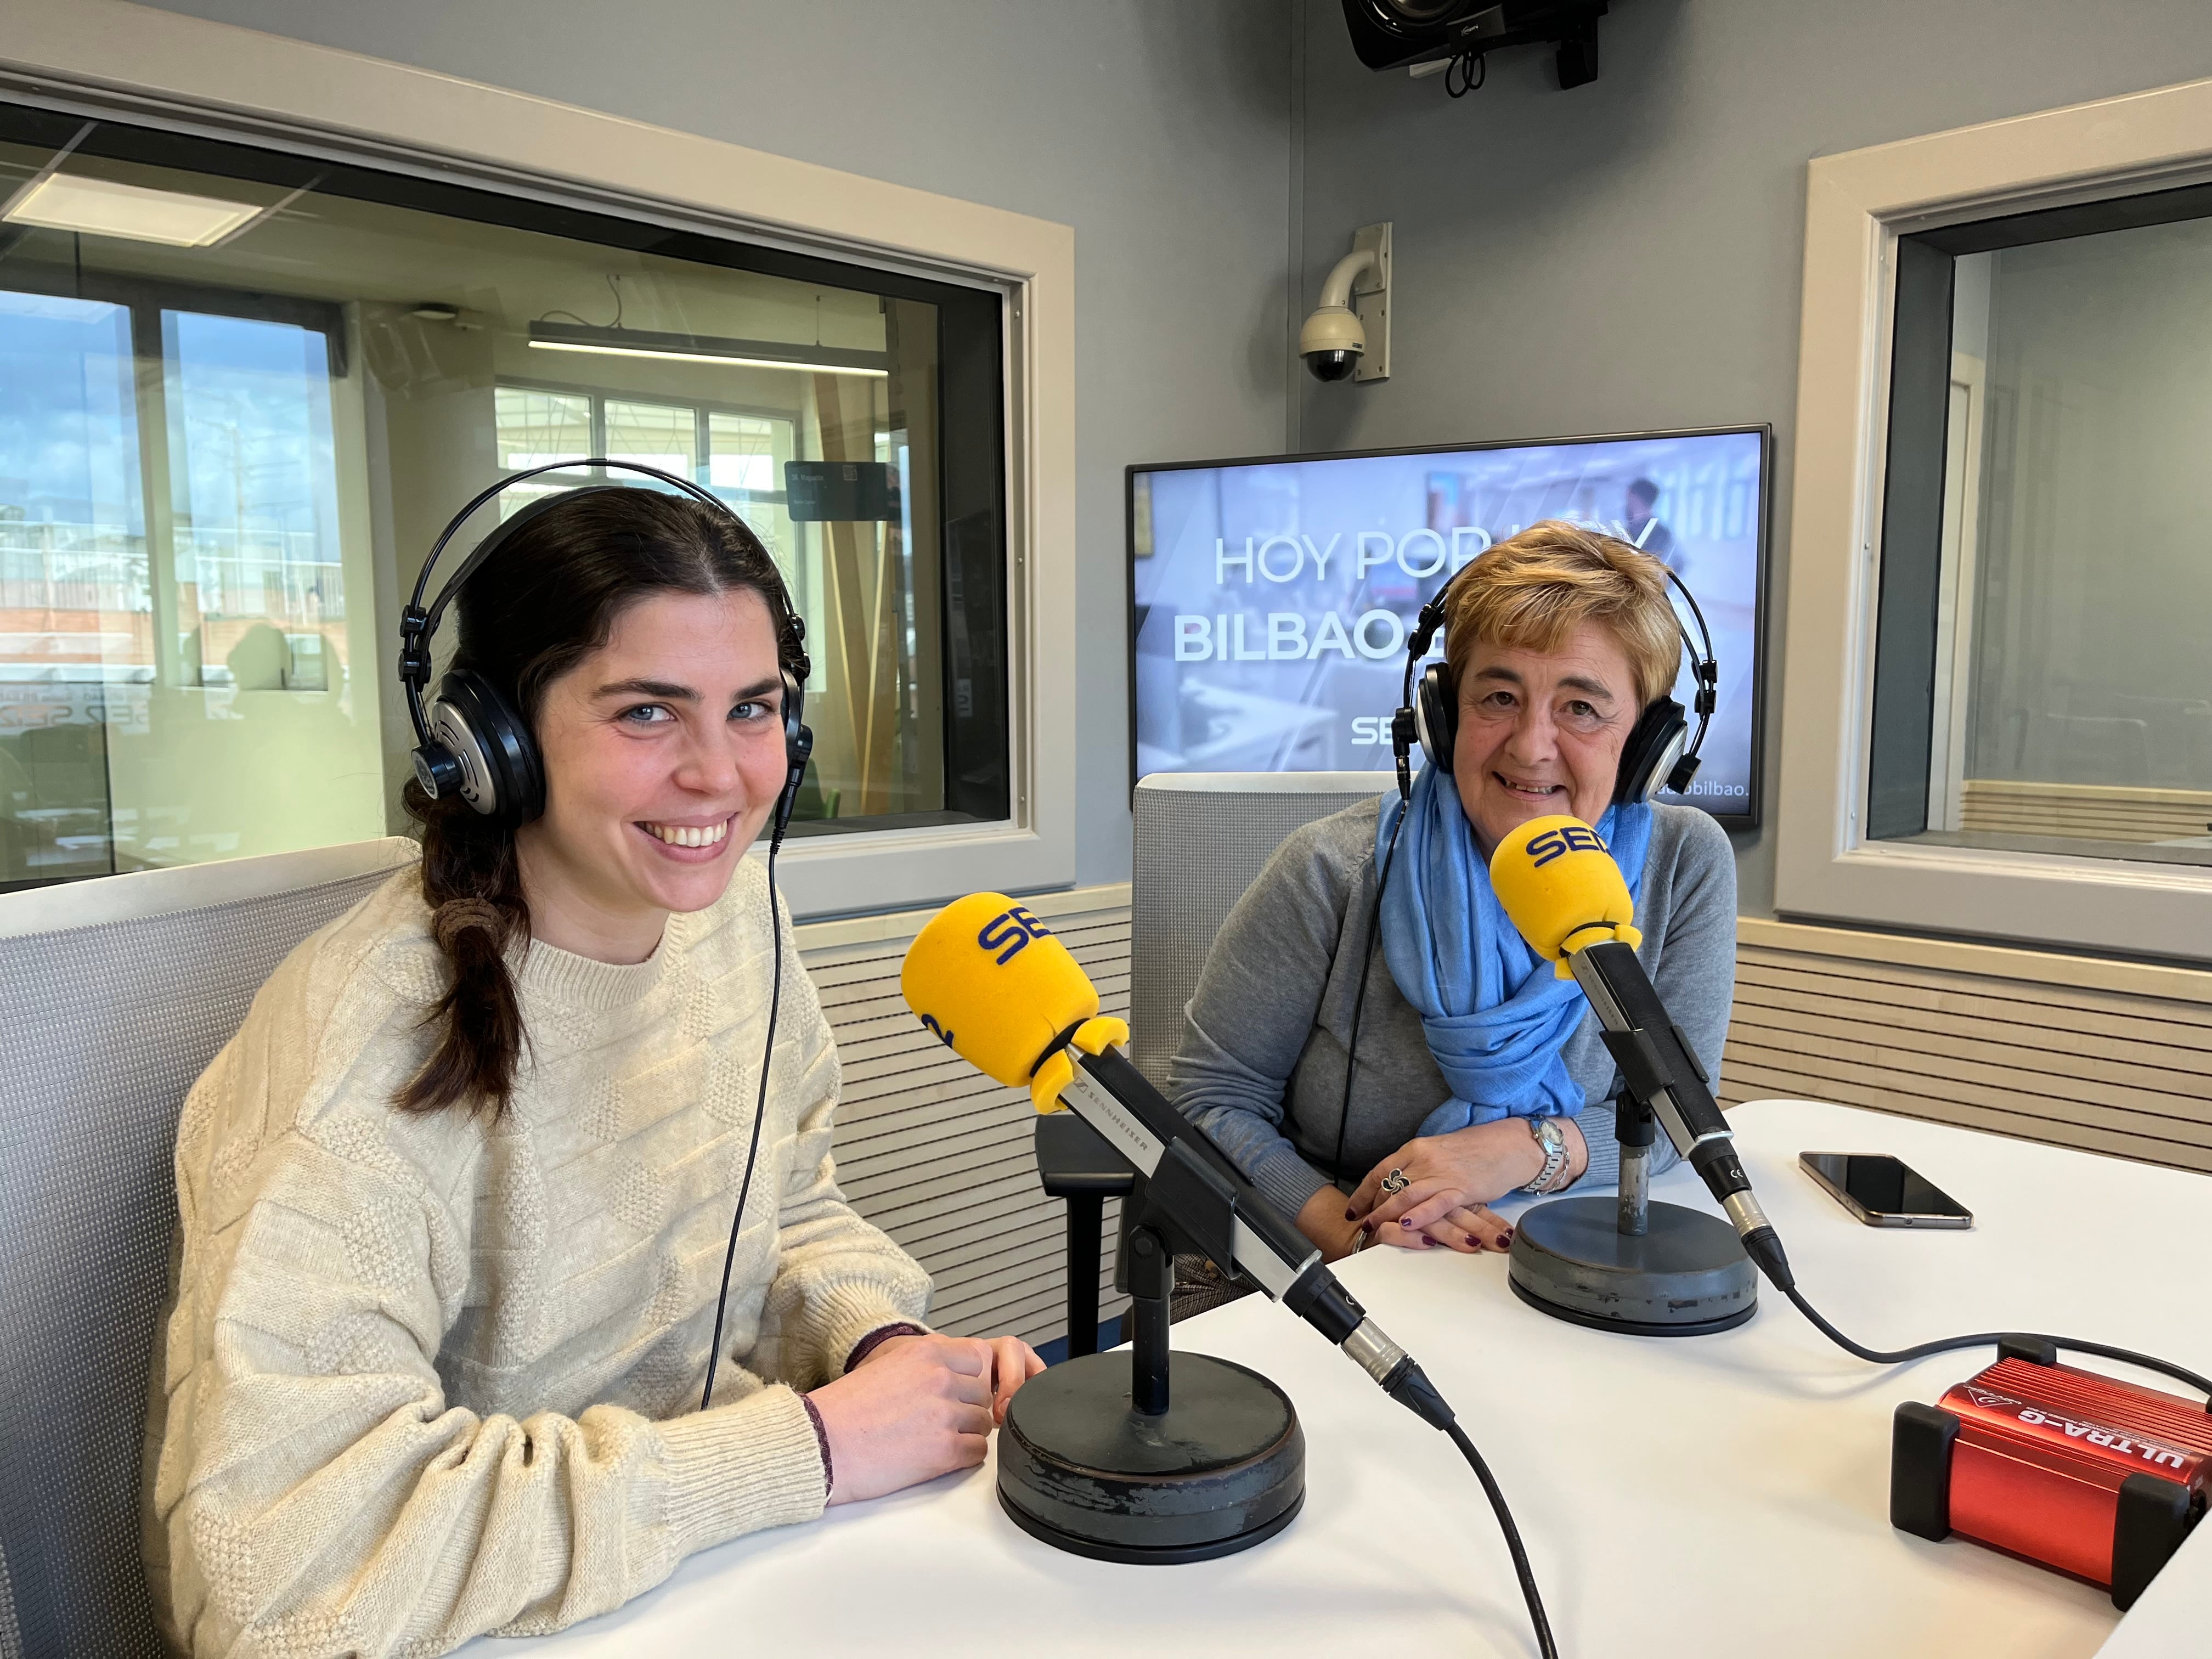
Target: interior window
x,y
2041,682
233,426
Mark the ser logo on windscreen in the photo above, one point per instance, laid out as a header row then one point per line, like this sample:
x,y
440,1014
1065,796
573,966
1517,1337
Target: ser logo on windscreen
x,y
1554,843
1008,933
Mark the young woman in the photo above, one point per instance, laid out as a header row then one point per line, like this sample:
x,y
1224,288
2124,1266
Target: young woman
x,y
1475,1062
454,1201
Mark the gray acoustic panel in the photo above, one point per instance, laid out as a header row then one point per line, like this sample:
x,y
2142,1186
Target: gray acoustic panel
x,y
11,1637
106,1028
1200,839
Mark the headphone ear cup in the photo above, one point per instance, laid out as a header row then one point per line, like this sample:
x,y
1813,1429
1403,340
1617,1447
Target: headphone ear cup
x,y
798,749
502,773
794,720
1654,745
1436,717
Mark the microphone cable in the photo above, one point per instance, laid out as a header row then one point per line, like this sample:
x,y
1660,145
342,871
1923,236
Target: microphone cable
x,y
1990,1339
760,1112
1409,1385
1522,1570
1763,1246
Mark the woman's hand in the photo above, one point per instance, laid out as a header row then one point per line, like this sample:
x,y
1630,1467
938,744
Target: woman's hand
x,y
1450,1178
1332,1226
1468,1231
1318,1220
917,1407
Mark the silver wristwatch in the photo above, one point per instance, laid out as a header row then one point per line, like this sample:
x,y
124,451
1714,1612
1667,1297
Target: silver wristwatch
x,y
1554,1139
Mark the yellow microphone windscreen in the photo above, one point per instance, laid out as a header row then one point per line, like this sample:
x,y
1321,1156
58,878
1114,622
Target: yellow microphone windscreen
x,y
1561,887
994,985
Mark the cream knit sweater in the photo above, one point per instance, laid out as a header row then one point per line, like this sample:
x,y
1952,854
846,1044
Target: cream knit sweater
x,y
429,1376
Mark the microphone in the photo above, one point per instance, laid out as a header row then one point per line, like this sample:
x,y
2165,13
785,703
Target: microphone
x,y
999,989
1559,884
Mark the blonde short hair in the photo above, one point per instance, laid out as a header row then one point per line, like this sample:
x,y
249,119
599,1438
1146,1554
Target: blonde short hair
x,y
1531,591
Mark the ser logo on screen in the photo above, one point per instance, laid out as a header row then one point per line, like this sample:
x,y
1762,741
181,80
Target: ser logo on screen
x,y
1370,731
1010,932
1553,843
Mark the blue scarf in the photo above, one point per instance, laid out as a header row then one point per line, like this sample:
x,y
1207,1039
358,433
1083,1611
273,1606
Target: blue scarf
x,y
1497,1018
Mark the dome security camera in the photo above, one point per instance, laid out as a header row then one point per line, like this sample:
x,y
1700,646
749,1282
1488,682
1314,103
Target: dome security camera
x,y
1332,343
1334,340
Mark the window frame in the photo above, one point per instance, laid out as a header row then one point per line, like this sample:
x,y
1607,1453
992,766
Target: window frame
x,y
1858,205
104,59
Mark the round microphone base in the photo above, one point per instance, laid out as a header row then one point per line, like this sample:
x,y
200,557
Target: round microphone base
x,y
1686,1276
1222,1469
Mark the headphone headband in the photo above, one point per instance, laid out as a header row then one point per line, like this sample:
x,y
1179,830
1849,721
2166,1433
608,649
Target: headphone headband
x,y
1411,722
469,740
417,624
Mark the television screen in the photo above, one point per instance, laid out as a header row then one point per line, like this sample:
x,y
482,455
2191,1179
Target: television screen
x,y
1271,599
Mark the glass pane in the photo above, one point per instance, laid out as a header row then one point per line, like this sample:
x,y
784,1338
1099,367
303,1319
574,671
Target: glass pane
x,y
2053,655
254,501
746,459
535,429
259,684
223,466
75,611
653,435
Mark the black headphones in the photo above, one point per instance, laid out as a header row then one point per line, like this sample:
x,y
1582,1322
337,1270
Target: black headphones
x,y
470,740
1654,757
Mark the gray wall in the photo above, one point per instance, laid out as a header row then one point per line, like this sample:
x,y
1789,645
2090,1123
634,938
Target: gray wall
x,y
1628,255
1159,130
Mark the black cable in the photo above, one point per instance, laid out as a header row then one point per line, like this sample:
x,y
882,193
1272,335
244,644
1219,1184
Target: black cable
x,y
1409,1385
1359,998
1990,1340
760,1112
1465,67
1545,1645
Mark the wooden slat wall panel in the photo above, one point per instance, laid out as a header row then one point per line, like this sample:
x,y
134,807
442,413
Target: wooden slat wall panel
x,y
2091,810
938,1156
2103,1070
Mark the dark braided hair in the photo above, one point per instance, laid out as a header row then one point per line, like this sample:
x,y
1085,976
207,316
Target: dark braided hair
x,y
537,607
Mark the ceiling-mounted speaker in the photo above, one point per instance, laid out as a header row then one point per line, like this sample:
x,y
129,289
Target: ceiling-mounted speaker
x,y
1398,34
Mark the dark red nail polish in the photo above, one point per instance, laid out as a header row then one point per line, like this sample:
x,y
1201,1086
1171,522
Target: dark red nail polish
x,y
1505,1241
1404,1221
1347,1213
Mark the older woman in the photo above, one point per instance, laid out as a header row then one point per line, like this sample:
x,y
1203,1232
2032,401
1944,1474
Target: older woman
x,y
1478,1072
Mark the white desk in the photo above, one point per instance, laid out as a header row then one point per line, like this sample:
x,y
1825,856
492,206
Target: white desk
x,y
1721,1494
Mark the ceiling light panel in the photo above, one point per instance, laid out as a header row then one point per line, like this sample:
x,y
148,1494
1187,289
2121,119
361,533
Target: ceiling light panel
x,y
102,207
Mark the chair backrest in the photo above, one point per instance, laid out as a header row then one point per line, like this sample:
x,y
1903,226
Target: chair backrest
x,y
1200,839
114,995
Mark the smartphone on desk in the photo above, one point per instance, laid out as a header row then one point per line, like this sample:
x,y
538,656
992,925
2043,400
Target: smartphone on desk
x,y
1883,1191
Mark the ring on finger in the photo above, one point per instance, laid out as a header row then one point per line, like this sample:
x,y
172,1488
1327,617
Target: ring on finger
x,y
1396,1181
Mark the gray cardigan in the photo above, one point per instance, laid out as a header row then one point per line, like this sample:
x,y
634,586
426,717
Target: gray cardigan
x,y
1260,1067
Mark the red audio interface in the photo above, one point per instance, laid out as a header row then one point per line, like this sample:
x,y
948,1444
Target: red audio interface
x,y
2079,1472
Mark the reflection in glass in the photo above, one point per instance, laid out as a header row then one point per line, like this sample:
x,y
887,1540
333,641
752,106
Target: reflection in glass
x,y
75,604
254,492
